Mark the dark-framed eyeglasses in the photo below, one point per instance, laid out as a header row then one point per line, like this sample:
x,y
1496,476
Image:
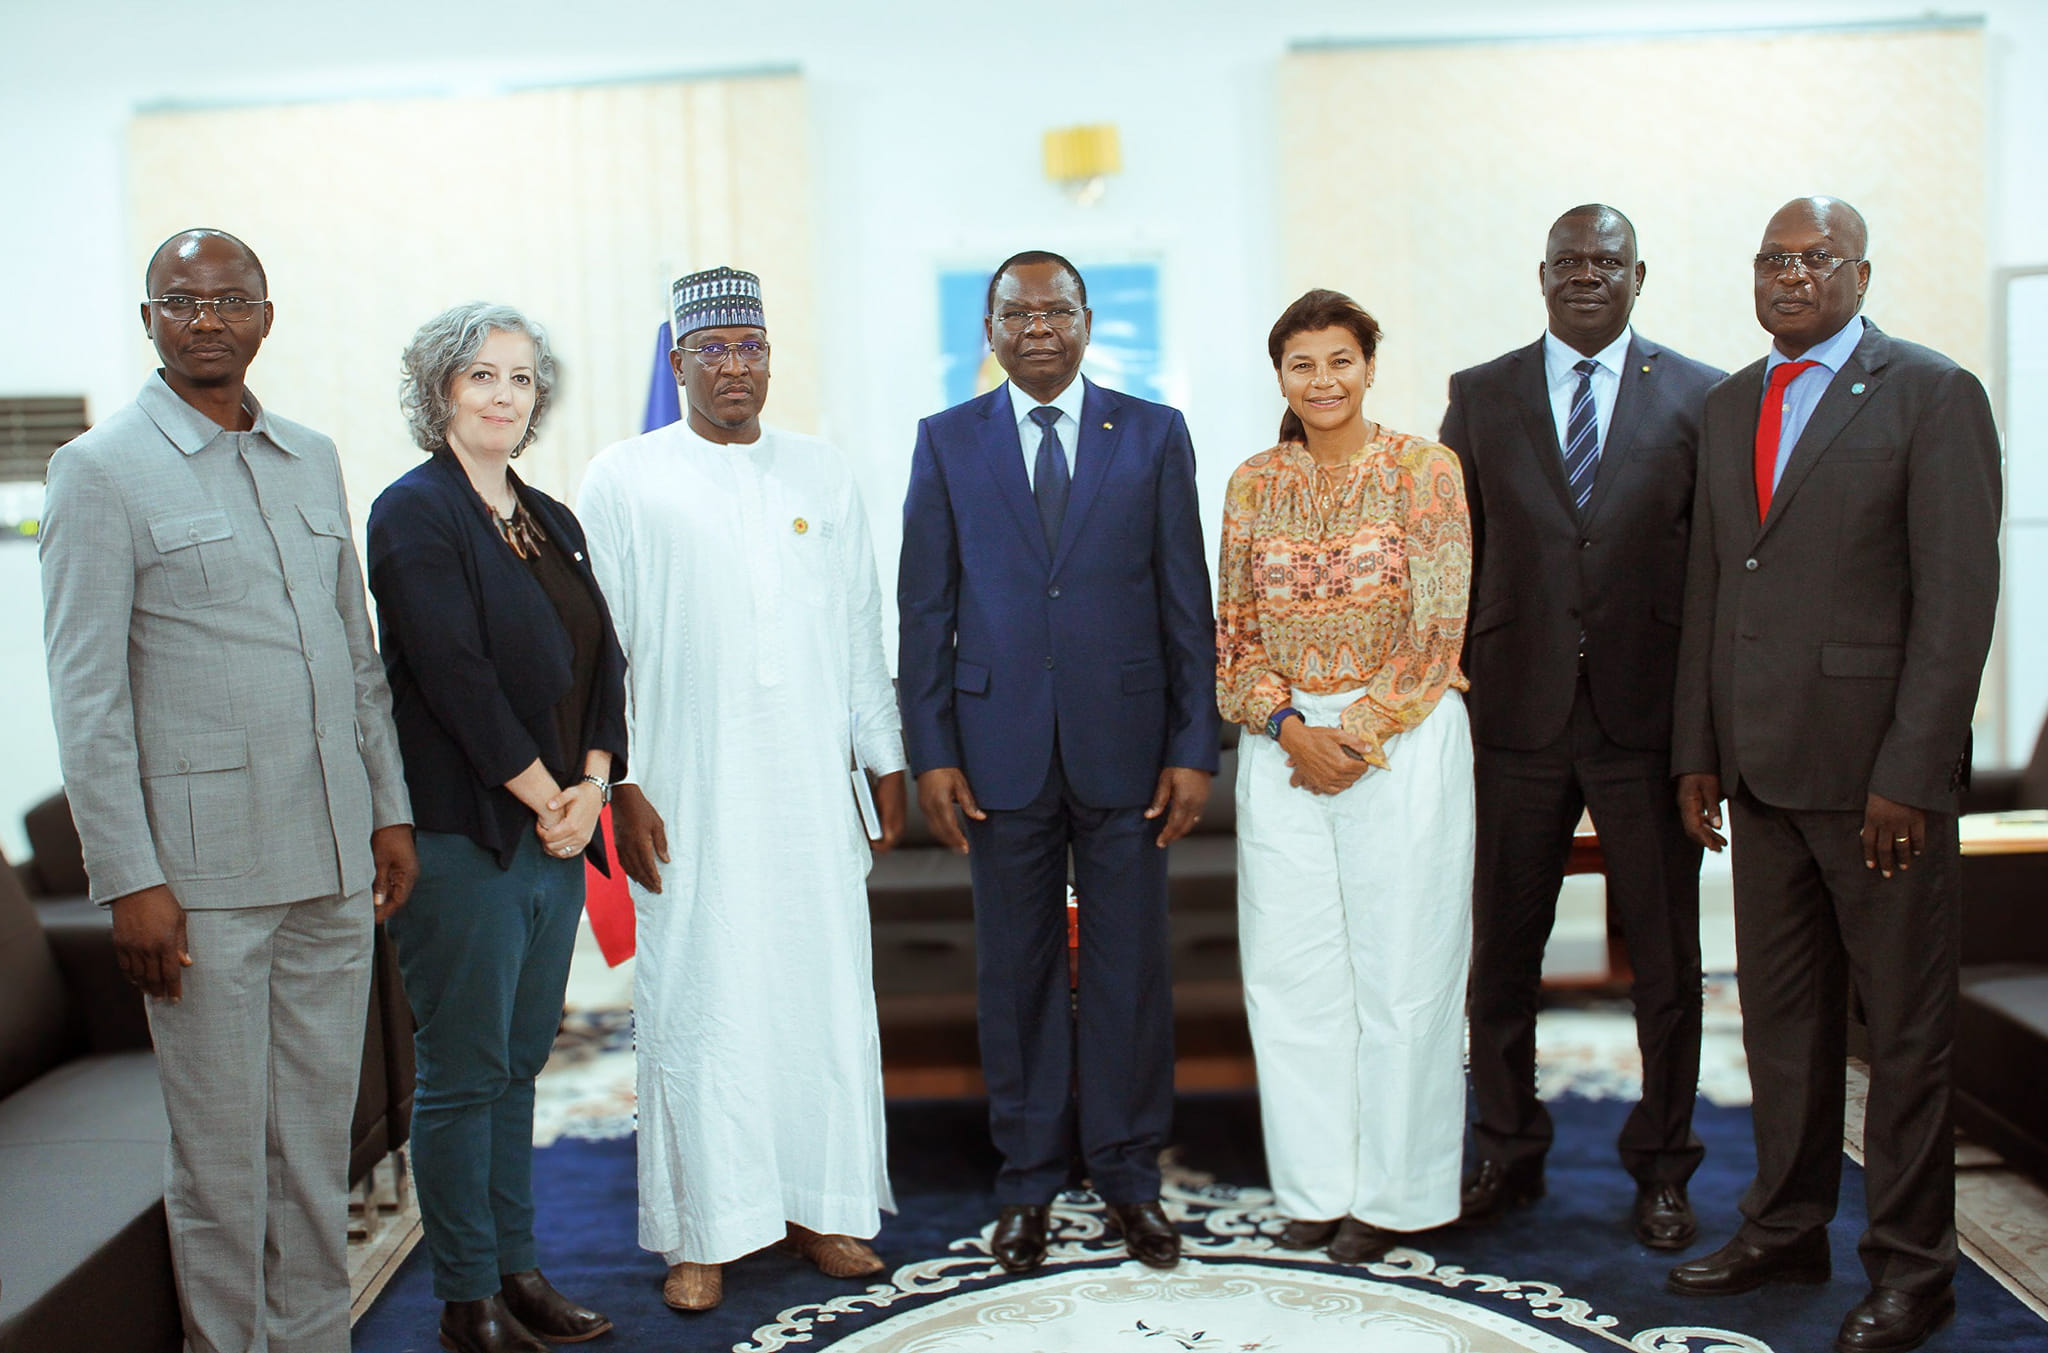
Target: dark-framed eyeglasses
x,y
750,351
226,309
1813,262
1017,321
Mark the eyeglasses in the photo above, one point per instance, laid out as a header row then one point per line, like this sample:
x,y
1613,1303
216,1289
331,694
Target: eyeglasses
x,y
226,309
1814,263
750,351
1017,321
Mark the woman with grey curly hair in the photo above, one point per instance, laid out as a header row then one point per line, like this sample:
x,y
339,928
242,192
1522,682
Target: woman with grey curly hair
x,y
508,690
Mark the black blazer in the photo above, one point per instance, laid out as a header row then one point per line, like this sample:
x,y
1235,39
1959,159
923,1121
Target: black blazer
x,y
1834,649
477,656
1542,575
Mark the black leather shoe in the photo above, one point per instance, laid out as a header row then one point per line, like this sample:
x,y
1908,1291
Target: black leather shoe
x,y
538,1306
1740,1266
1148,1236
1019,1240
1360,1242
1663,1217
1491,1191
1889,1321
485,1327
1305,1235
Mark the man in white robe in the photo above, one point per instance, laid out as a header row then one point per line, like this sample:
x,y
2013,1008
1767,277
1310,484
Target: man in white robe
x,y
737,562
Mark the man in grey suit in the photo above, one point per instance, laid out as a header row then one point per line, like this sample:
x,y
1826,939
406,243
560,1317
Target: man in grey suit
x,y
227,746
1578,452
1839,605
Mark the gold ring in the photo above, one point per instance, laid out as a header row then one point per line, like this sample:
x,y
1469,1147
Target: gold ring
x,y
1897,839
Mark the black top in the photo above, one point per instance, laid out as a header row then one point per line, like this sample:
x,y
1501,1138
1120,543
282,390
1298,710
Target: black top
x,y
579,612
480,661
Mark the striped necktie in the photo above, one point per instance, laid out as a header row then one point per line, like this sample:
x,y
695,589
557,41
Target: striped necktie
x,y
1582,437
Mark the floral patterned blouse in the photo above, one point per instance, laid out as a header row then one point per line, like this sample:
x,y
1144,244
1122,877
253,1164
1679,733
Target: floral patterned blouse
x,y
1354,576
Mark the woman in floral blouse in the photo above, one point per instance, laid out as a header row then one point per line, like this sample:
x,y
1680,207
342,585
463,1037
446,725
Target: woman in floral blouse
x,y
1347,556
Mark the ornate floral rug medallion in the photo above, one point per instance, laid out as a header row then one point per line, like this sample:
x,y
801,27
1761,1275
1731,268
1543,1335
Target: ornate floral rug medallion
x,y
1234,1292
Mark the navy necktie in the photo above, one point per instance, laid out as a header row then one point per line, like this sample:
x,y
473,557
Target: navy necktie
x,y
1049,478
1582,437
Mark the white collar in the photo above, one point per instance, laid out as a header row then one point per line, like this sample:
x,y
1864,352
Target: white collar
x,y
1068,401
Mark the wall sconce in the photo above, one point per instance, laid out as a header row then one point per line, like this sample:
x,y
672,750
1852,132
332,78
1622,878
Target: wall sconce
x,y
1081,159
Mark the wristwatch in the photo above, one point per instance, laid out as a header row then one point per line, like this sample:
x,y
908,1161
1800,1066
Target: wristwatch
x,y
604,786
1280,716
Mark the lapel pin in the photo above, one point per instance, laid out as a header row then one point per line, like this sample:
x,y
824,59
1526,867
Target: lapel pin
x,y
1857,388
1107,426
1646,368
800,526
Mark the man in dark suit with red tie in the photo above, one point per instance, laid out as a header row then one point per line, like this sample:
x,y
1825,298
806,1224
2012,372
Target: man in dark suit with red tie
x,y
1839,606
1578,452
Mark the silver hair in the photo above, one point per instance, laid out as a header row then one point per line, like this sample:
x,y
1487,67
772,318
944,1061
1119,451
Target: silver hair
x,y
448,343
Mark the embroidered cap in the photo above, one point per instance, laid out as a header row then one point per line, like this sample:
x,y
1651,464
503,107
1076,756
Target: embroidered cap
x,y
718,298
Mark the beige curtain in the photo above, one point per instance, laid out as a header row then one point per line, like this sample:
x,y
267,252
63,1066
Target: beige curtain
x,y
578,206
1422,180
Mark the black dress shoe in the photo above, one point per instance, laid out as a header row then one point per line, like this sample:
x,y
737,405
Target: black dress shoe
x,y
1305,1235
1148,1236
1740,1266
1019,1240
1492,1190
539,1307
485,1327
1663,1217
1360,1242
1890,1321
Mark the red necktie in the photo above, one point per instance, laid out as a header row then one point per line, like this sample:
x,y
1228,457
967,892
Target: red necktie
x,y
1770,423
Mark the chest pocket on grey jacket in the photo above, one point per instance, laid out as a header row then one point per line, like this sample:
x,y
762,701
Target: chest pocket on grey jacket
x,y
200,562
329,540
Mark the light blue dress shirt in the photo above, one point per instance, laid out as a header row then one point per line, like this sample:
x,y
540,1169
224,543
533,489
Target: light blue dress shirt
x,y
1802,396
1068,424
1559,358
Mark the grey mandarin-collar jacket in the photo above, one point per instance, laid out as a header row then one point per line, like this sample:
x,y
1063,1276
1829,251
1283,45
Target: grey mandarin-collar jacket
x,y
222,716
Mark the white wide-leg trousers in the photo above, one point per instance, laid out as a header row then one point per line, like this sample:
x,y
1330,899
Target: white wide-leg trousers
x,y
1355,930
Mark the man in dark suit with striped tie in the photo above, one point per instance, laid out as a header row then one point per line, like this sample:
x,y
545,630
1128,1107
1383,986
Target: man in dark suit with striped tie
x,y
1578,452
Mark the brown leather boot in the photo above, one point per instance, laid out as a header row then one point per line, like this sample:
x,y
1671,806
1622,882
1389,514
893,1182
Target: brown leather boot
x,y
547,1312
485,1326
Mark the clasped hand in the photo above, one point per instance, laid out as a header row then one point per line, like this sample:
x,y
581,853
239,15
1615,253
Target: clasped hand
x,y
566,823
1324,760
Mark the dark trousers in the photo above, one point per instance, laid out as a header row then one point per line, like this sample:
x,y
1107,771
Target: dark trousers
x,y
485,955
1528,804
1111,1072
1810,919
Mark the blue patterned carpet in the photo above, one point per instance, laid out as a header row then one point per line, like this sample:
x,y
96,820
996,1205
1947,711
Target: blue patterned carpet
x,y
1566,1267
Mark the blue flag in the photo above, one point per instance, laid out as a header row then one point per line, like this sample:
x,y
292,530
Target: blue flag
x,y
663,407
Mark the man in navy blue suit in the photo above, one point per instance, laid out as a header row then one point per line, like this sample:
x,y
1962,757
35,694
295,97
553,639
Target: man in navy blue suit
x,y
1058,673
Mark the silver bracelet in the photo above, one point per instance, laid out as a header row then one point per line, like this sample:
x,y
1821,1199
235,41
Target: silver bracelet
x,y
604,786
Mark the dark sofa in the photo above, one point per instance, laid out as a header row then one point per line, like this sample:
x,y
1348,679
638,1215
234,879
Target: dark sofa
x,y
2001,1056
85,1260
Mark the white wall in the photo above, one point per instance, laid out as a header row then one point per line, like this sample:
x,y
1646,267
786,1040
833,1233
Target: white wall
x,y
927,118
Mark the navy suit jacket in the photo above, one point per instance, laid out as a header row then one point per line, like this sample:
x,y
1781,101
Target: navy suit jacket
x,y
1111,637
478,658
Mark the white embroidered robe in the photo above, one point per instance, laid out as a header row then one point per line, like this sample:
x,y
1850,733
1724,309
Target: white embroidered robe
x,y
742,582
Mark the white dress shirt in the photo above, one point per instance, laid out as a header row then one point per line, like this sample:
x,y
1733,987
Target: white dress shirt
x,y
1558,359
1067,425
